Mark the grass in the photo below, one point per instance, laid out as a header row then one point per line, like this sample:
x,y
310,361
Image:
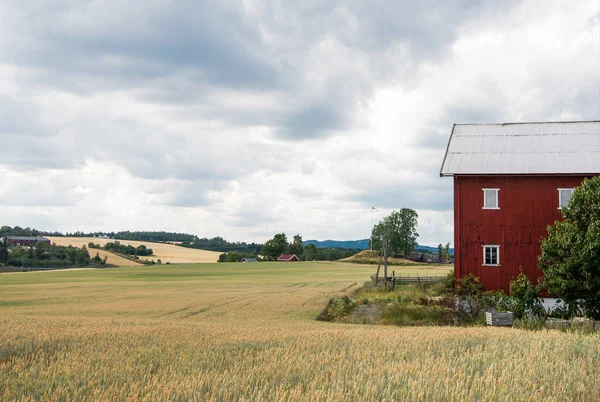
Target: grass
x,y
224,332
406,305
372,257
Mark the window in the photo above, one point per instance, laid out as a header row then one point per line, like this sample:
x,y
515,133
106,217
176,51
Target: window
x,y
491,255
564,196
490,198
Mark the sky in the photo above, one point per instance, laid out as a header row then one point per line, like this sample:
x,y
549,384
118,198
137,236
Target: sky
x,y
247,118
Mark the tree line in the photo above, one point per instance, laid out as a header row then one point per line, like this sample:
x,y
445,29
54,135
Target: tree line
x,y
220,244
46,255
279,244
125,249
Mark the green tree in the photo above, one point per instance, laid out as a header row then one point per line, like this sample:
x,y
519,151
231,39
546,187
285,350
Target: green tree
x,y
526,297
273,248
233,256
296,247
441,251
82,257
40,249
3,251
400,227
447,252
310,252
570,257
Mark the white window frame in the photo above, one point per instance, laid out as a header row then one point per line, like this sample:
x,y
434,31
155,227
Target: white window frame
x,y
560,190
497,190
497,255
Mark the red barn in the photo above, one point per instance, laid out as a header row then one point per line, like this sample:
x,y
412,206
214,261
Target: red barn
x,y
288,257
25,240
510,183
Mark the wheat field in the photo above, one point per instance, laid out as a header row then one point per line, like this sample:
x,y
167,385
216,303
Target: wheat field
x,y
166,252
247,332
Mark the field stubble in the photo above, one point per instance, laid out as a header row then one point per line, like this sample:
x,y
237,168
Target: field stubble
x,y
247,332
166,252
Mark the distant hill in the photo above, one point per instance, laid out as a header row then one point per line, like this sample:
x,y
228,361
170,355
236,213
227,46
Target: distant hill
x,y
361,245
347,244
432,250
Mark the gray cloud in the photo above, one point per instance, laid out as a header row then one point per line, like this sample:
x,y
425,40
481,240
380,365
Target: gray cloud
x,y
184,51
305,111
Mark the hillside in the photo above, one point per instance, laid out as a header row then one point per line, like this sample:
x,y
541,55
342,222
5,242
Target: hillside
x,y
372,257
432,250
362,245
165,252
347,244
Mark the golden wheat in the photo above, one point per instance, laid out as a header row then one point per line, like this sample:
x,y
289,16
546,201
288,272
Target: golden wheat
x,y
166,252
247,332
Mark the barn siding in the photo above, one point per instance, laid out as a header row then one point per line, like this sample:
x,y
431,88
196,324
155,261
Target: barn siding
x,y
528,204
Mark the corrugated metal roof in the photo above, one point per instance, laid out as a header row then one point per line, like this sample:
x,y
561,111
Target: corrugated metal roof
x,y
523,148
29,238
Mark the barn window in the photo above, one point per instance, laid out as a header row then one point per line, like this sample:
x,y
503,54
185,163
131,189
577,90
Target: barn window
x,y
490,198
491,255
564,196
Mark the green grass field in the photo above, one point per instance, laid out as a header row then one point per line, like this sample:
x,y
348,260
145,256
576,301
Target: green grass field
x,y
227,332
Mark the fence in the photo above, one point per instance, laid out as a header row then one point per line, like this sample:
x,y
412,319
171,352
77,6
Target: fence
x,y
411,279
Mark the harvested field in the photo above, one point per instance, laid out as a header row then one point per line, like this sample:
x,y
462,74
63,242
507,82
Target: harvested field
x,y
112,258
166,252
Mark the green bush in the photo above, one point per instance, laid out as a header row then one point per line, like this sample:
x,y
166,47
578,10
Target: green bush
x,y
526,298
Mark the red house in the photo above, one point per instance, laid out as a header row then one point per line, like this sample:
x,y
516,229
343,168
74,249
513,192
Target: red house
x,y
25,240
510,183
288,257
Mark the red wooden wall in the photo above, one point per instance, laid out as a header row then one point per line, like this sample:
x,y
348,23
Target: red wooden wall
x,y
528,204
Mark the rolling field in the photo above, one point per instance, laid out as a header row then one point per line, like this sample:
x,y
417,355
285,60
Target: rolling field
x,y
166,252
112,258
228,332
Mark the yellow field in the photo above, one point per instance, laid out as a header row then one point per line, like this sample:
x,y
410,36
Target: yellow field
x,y
229,332
166,252
112,258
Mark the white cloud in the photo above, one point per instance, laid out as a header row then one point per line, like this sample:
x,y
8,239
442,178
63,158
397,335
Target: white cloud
x,y
262,117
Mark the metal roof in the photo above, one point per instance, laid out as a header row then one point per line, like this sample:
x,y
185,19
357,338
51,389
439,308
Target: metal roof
x,y
29,238
523,148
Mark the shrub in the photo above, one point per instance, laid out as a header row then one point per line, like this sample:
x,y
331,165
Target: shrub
x,y
499,301
470,302
563,310
526,298
337,308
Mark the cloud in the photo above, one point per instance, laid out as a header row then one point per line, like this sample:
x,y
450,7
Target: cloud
x,y
248,118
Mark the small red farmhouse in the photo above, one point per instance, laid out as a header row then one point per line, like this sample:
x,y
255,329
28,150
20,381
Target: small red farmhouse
x,y
510,183
288,257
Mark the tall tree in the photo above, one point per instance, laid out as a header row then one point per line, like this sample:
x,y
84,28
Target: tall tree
x,y
447,252
3,251
310,252
296,247
570,257
400,227
273,248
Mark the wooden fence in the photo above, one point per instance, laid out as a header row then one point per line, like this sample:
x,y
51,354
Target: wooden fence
x,y
411,279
